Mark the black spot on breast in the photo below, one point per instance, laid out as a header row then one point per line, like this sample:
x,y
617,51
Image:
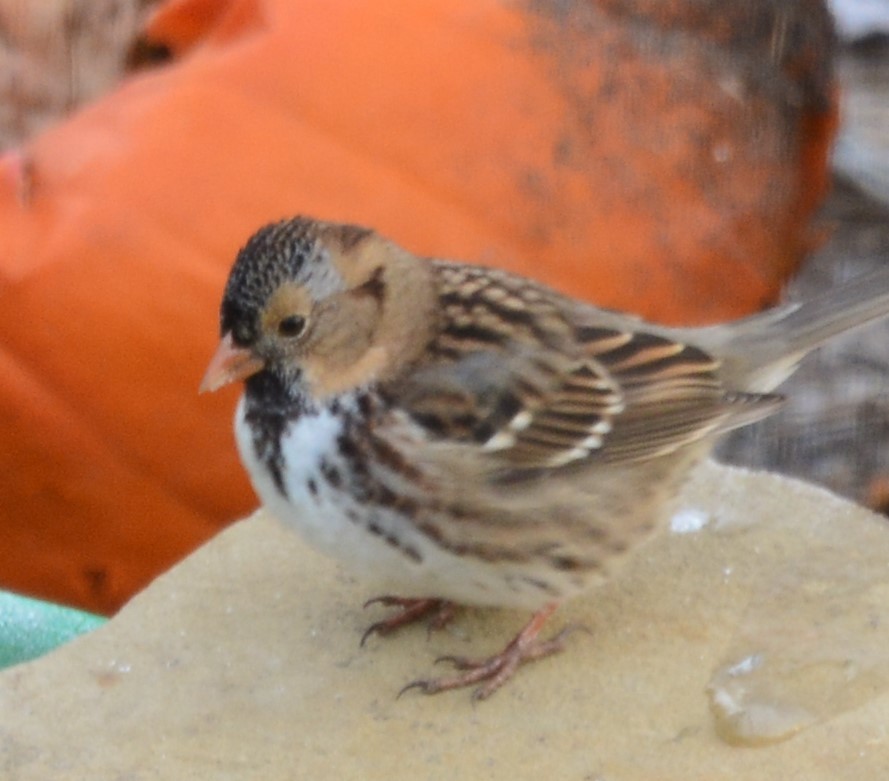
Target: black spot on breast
x,y
412,553
393,459
541,585
365,405
331,474
392,540
348,448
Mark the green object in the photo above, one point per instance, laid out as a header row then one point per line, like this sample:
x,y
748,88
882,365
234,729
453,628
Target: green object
x,y
30,628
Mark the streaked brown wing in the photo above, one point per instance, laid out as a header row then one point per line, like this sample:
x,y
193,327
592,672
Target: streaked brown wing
x,y
505,372
513,374
672,394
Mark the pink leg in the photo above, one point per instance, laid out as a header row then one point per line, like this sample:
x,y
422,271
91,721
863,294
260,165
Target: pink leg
x,y
499,668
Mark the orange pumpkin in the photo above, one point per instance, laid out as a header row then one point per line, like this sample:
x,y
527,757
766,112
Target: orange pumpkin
x,y
662,157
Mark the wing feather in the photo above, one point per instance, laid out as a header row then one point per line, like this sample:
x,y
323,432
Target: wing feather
x,y
514,375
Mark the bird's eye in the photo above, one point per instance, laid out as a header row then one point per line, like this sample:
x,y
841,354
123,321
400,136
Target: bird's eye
x,y
291,326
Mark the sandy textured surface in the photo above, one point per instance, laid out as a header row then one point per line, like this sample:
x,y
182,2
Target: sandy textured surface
x,y
763,618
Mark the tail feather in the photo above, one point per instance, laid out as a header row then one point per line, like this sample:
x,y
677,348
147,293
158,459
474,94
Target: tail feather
x,y
761,351
858,302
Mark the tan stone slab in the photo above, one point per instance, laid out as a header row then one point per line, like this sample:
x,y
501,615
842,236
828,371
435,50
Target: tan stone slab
x,y
243,663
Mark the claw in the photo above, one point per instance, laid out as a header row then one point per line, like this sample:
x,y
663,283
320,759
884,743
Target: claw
x,y
420,684
458,661
386,601
378,627
496,670
410,611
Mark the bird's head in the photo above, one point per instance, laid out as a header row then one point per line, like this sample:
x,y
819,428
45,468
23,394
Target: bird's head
x,y
316,300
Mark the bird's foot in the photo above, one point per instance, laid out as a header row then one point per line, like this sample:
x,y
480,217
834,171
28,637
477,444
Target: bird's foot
x,y
439,611
493,671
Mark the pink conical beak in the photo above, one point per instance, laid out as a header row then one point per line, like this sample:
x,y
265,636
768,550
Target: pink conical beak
x,y
229,364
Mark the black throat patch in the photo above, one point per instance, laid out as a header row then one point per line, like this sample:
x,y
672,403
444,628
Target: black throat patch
x,y
269,409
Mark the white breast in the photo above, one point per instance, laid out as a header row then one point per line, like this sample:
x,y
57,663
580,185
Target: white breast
x,y
327,516
307,443
333,521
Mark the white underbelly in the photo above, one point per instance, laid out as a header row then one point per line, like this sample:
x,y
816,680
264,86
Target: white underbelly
x,y
377,544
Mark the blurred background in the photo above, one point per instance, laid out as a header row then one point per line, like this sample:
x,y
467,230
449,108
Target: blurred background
x,y
692,161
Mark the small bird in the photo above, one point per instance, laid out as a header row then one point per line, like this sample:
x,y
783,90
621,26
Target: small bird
x,y
469,436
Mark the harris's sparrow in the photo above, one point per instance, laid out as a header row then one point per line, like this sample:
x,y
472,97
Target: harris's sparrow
x,y
466,435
